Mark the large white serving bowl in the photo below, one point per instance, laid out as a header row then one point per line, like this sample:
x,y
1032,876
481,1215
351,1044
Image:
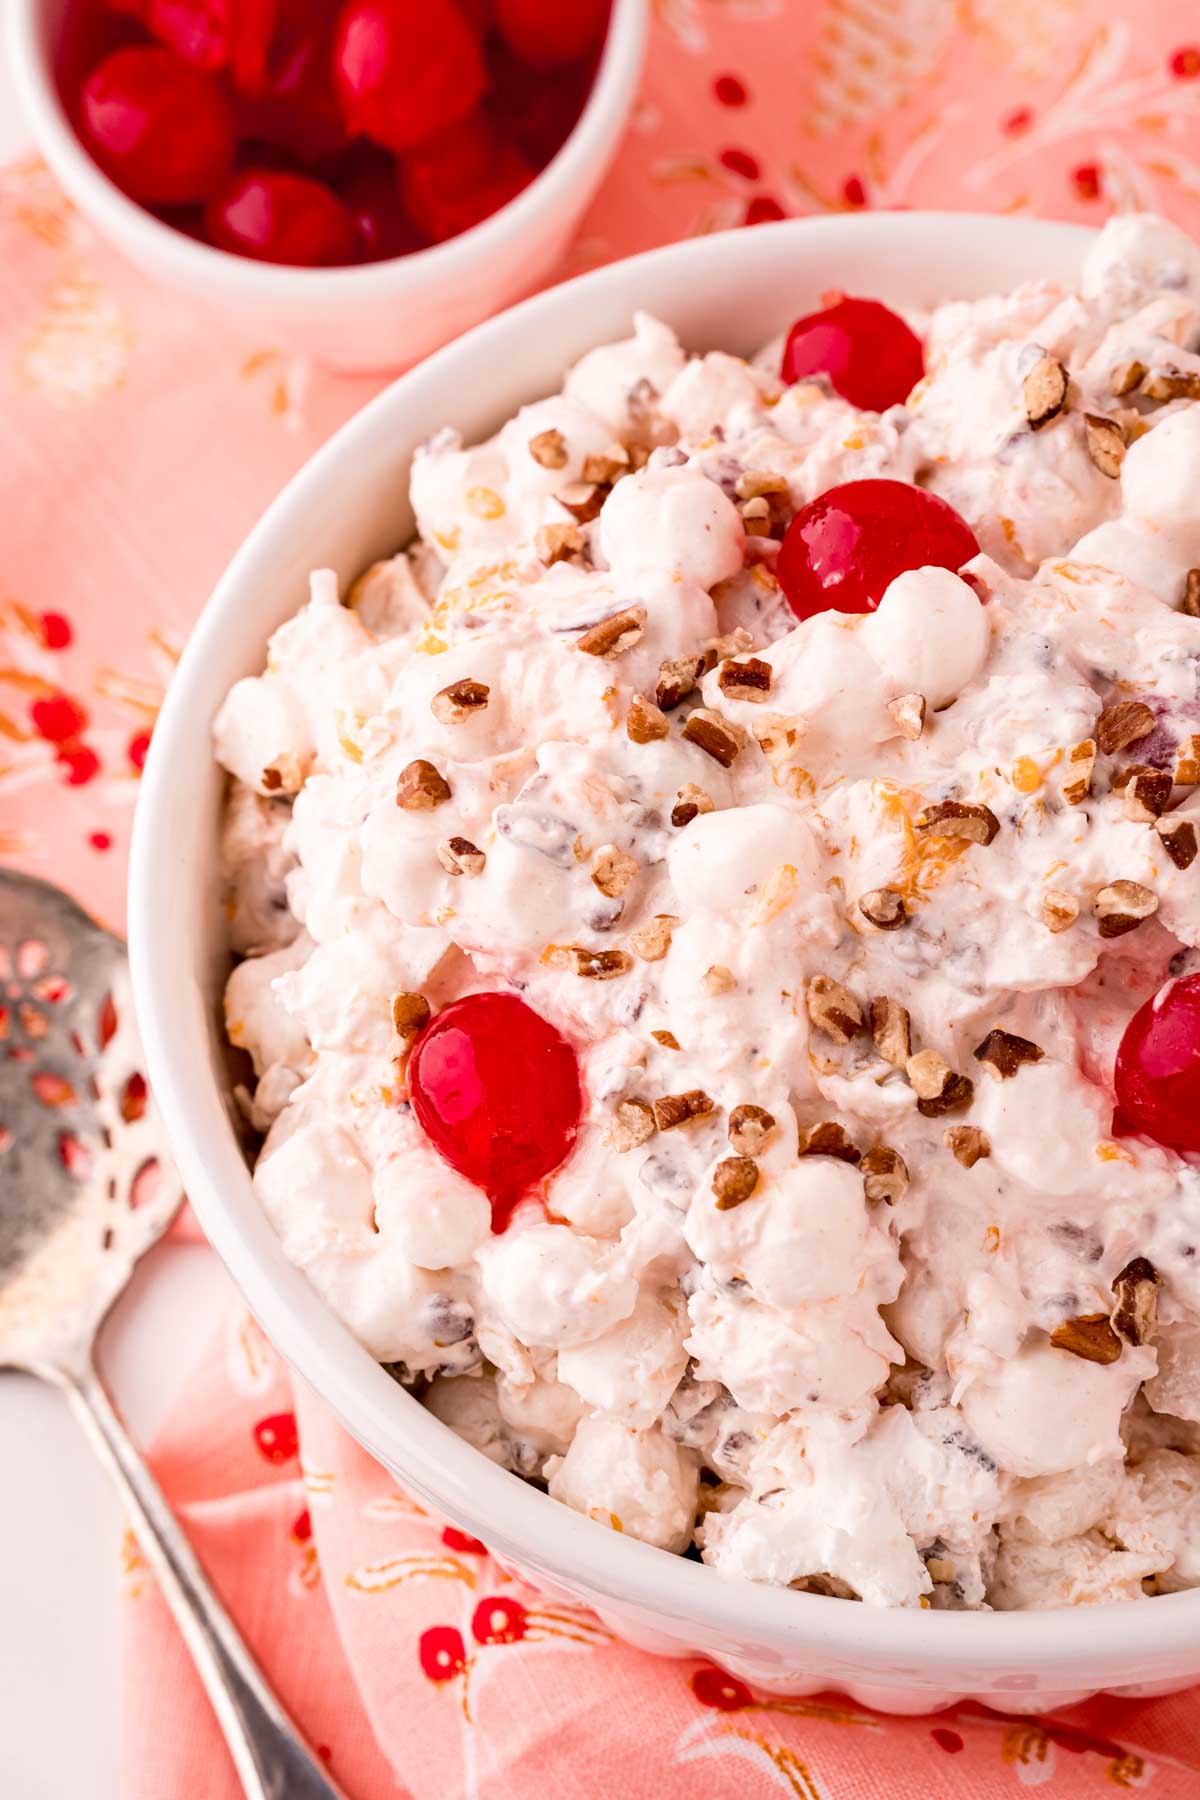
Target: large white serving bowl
x,y
346,508
381,315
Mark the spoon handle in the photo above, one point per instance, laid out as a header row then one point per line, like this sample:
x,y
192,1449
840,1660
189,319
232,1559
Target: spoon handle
x,y
271,1759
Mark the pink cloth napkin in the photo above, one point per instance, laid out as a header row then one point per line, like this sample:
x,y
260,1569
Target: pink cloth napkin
x,y
139,439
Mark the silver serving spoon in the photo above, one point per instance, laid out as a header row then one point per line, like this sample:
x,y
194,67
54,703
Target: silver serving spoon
x,y
87,1185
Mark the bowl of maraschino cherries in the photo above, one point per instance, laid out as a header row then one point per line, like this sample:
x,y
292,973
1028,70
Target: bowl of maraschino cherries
x,y
365,177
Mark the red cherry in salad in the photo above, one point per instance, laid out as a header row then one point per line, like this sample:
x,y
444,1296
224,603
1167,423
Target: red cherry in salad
x,y
841,550
370,194
496,1090
405,68
162,130
869,354
548,33
281,64
278,217
198,31
1157,1076
461,176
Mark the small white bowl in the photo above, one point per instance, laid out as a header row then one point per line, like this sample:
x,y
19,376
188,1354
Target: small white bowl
x,y
348,507
382,315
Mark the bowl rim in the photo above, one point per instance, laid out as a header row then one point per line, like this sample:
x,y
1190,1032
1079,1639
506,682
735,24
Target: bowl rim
x,y
515,1519
588,142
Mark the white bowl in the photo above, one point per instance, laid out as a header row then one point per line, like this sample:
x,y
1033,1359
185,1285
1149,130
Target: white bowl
x,y
382,315
348,507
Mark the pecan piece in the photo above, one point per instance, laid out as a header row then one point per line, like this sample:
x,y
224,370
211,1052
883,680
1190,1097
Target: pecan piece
x,y
612,871
885,1174
420,787
749,680
1123,724
1089,1336
632,1124
967,1144
676,680
938,1089
459,856
650,942
556,541
884,908
829,1139
614,635
1187,761
1002,1053
549,449
1147,795
1178,840
1081,765
908,715
1044,391
718,737
957,819
1122,906
756,517
461,700
666,1039
750,1127
1126,377
891,1029
718,980
582,499
598,965
734,1180
1105,443
753,482
1059,910
1135,1315
690,803
411,1013
833,1009
645,723
606,466
1191,594
1172,384
679,1109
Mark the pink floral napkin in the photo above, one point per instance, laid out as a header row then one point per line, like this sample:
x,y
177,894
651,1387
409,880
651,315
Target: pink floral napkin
x,y
139,439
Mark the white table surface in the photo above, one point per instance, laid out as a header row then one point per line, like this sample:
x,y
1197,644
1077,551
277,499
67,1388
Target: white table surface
x,y
60,1526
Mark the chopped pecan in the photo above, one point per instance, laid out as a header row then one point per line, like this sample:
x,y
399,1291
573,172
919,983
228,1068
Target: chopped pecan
x,y
829,1139
593,965
556,541
718,980
1059,910
651,941
756,517
1147,795
606,466
885,1174
1123,724
891,1029
410,1014
1044,391
679,1109
420,787
272,779
549,449
1002,1053
1105,443
908,715
967,1144
1135,1315
1187,761
1178,840
718,737
612,870
614,635
582,499
459,856
1126,377
721,649
749,680
884,908
1122,906
1081,765
938,1089
753,482
833,1009
461,700
1172,384
690,803
957,819
665,1039
1191,594
632,1124
750,1127
645,723
676,680
734,1180
1089,1336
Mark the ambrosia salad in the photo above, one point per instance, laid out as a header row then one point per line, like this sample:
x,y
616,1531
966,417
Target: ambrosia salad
x,y
717,919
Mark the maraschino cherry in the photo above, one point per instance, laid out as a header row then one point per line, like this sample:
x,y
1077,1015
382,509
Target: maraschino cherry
x,y
841,550
405,68
869,354
161,129
496,1090
278,217
1157,1077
